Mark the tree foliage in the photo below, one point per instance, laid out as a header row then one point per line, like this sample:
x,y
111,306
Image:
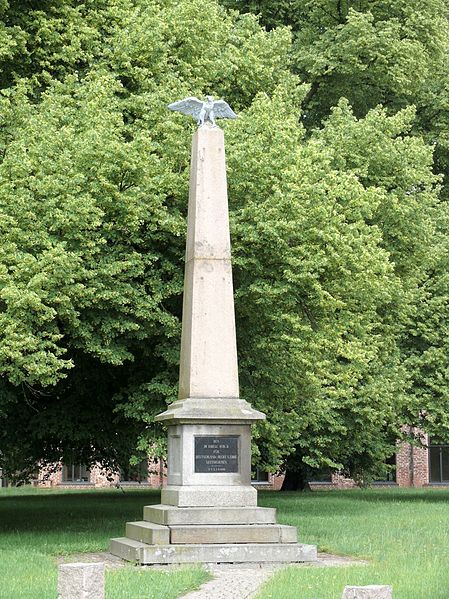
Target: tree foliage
x,y
94,177
333,228
372,52
325,253
387,57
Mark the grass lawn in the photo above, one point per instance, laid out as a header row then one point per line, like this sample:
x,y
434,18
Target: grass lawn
x,y
403,533
38,525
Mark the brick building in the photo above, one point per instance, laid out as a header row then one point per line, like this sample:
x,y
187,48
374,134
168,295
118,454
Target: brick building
x,y
151,474
413,467
419,467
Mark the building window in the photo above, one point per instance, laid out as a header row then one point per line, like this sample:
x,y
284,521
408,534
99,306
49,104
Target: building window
x,y
134,474
389,474
319,475
438,462
75,473
259,476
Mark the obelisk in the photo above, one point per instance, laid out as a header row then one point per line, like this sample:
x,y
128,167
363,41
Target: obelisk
x,y
209,404
208,510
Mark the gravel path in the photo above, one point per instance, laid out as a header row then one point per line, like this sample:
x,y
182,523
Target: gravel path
x,y
230,581
232,584
238,581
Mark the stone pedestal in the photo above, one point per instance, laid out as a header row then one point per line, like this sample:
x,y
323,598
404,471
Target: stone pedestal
x,y
209,508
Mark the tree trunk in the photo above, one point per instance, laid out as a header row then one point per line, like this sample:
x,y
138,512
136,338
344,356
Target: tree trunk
x,y
294,481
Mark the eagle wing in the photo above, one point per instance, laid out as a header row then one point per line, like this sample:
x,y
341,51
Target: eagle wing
x,y
189,106
222,110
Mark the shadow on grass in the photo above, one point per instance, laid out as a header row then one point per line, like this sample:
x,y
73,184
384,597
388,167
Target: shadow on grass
x,y
71,510
51,510
56,496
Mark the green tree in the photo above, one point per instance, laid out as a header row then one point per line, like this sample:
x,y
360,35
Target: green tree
x,y
391,54
371,52
94,178
93,188
325,252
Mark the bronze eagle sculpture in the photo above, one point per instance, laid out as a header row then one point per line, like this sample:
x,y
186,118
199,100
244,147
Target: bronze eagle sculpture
x,y
204,112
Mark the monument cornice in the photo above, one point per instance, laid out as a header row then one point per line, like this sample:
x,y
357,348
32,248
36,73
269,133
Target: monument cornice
x,y
221,410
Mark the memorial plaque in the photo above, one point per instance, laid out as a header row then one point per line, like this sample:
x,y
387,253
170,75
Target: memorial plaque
x,y
216,454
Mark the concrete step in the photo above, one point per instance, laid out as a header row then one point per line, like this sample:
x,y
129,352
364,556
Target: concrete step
x,y
127,549
148,532
220,553
171,515
232,533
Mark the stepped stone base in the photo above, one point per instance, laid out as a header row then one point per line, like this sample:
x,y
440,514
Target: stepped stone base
x,y
148,532
157,534
177,535
142,553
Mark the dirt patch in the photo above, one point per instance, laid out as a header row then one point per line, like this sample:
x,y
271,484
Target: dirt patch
x,y
111,561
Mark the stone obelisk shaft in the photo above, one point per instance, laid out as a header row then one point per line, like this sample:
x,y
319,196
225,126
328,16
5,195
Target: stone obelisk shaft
x,y
208,363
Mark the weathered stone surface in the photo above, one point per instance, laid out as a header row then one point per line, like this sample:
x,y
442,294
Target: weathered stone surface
x,y
288,534
192,409
208,368
81,581
229,553
127,549
233,533
181,454
204,496
148,532
171,515
224,553
373,591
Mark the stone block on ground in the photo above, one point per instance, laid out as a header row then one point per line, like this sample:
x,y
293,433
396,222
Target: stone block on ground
x,y
373,591
81,581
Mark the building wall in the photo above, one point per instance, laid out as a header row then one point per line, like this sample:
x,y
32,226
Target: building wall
x,y
99,478
274,483
412,465
412,470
